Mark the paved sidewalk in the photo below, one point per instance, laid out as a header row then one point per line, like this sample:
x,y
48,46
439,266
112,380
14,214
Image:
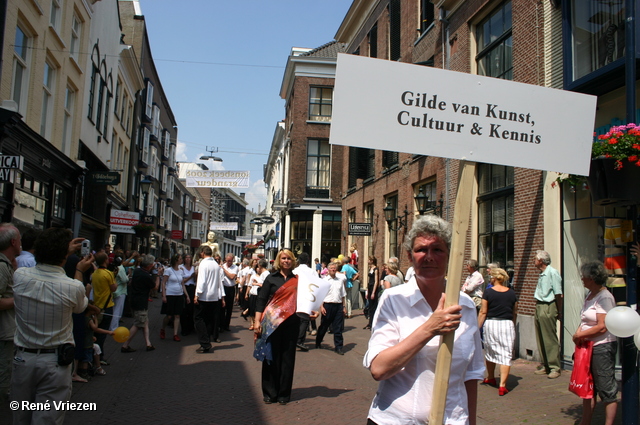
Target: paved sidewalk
x,y
176,385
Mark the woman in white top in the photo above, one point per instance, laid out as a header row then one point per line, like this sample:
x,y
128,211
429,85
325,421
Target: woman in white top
x,y
592,328
173,296
255,281
406,334
189,273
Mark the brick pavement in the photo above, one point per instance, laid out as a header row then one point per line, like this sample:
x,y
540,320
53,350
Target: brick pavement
x,y
175,385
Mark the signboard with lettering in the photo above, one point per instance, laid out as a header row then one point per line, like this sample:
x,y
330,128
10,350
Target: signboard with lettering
x,y
430,111
217,178
359,229
123,221
176,234
230,226
8,165
104,177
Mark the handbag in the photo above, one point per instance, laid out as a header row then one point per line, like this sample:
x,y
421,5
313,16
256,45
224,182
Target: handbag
x,y
581,382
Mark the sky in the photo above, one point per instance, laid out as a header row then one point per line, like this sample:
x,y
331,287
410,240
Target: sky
x,y
221,65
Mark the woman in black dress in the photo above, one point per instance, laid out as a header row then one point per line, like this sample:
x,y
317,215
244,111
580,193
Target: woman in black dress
x,y
373,288
276,329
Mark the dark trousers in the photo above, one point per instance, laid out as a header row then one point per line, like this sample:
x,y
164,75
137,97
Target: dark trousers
x,y
373,306
186,318
277,375
229,297
207,321
104,324
335,319
304,327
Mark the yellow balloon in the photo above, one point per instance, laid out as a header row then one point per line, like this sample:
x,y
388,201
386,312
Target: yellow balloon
x,y
340,257
121,334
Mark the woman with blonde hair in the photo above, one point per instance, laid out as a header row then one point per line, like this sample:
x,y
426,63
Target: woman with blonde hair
x,y
276,328
498,314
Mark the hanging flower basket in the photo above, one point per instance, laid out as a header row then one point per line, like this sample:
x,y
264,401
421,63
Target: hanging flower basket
x,y
614,182
143,230
614,174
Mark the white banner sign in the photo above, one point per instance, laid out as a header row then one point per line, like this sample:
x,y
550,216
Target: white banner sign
x,y
217,178
230,226
123,221
387,105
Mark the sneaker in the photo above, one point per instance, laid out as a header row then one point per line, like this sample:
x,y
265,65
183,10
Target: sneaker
x,y
540,371
314,332
553,375
302,347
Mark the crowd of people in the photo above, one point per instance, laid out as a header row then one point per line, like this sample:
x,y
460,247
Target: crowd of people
x,y
58,306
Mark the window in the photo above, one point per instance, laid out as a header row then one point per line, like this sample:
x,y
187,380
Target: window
x,y
67,125
164,178
117,100
429,189
373,41
108,87
59,203
361,164
495,44
56,14
426,15
495,214
149,103
48,87
92,90
318,169
393,234
389,159
155,122
20,70
166,143
163,208
76,32
155,163
394,30
145,145
129,114
320,103
331,233
597,35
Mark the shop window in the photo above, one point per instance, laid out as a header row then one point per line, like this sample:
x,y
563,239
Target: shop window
x,y
331,233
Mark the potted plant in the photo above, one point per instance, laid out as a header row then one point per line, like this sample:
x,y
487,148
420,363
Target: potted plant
x,y
615,167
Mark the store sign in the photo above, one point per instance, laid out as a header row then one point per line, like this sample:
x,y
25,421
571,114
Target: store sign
x,y
123,221
359,229
176,234
230,226
217,178
104,177
430,111
8,165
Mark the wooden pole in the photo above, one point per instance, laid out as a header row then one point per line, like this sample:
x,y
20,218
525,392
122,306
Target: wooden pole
x,y
454,275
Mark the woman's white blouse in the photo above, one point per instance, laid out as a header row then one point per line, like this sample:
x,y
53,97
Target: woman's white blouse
x,y
405,398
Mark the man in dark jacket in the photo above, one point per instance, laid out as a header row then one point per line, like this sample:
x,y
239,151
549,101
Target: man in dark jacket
x,y
141,283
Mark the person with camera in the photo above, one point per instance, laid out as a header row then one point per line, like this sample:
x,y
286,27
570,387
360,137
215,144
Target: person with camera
x,y
44,299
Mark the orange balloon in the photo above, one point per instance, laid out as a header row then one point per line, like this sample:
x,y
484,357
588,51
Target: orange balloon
x,y
121,334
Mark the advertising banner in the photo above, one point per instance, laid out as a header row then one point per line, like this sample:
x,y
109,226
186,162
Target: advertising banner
x,y
430,111
217,178
123,221
230,226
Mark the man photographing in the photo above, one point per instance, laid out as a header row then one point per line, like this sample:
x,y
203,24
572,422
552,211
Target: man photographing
x,y
44,298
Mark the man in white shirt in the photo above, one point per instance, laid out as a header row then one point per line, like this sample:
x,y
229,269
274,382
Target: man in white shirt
x,y
472,286
26,257
333,309
44,298
230,271
208,301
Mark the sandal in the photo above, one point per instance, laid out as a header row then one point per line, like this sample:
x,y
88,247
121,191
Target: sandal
x,y
99,371
79,379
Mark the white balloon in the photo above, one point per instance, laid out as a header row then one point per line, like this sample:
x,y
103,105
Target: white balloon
x,y
636,339
622,321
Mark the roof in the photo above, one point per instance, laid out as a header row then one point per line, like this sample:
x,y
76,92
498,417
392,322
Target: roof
x,y
328,50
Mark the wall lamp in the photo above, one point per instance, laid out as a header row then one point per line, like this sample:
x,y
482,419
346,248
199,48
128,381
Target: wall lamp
x,y
391,218
423,205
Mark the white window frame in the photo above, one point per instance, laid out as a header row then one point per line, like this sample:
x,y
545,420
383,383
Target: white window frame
x,y
145,145
67,125
149,103
153,166
163,208
156,121
164,178
20,90
76,33
166,143
117,99
55,16
48,90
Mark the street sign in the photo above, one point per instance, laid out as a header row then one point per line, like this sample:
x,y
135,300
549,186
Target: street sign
x,y
430,111
359,229
104,177
8,165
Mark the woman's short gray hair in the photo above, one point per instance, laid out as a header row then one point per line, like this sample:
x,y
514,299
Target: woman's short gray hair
x,y
595,271
428,225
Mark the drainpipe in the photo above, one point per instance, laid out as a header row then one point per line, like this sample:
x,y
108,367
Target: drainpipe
x,y
629,354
